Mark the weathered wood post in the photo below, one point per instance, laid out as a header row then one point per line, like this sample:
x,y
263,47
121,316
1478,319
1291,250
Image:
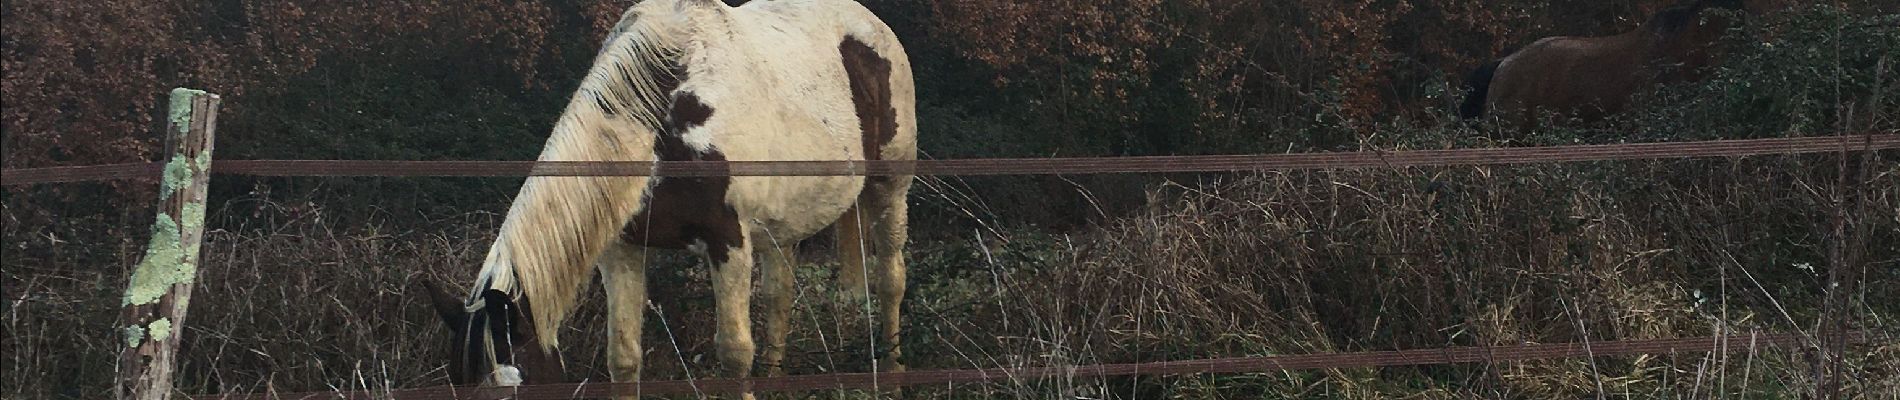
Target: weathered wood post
x,y
160,288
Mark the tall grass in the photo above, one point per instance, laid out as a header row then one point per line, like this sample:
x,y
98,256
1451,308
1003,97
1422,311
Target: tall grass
x,y
1201,266
1276,263
1306,262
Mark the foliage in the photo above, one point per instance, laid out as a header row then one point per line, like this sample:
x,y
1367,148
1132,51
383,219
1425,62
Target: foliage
x,y
312,276
1819,69
83,79
1144,77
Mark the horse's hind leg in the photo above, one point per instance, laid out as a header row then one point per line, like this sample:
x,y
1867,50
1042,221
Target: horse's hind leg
x,y
874,232
623,273
777,282
851,255
884,203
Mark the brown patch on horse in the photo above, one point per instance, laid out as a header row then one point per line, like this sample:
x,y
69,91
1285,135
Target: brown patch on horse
x,y
870,76
682,211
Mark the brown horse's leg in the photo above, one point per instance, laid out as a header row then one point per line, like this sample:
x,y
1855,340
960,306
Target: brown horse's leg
x,y
732,291
884,202
623,274
777,282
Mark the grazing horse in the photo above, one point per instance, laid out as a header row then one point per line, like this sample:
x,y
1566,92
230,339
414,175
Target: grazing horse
x,y
1592,77
685,80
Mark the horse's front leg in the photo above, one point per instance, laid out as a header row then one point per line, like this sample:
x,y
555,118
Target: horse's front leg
x,y
732,289
623,273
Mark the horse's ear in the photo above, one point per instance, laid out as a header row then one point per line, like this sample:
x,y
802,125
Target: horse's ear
x,y
446,305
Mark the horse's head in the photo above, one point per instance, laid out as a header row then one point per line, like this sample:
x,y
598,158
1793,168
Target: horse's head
x,y
491,342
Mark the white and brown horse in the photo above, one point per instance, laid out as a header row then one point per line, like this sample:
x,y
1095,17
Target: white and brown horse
x,y
698,80
1592,77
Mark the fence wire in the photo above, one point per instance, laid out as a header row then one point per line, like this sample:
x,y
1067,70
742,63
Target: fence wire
x,y
992,166
1027,166
894,380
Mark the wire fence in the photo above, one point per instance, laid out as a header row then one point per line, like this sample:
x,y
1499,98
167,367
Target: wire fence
x,y
992,166
1876,141
894,380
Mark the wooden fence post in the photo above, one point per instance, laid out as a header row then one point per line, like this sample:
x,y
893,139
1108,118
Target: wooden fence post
x,y
159,291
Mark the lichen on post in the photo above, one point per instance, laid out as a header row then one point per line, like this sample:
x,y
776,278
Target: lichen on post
x,y
158,292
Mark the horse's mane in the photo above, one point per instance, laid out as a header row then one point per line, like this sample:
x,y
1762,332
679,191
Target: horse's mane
x,y
557,226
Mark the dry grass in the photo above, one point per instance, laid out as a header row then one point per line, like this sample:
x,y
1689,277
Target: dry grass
x,y
1294,263
1274,263
1277,263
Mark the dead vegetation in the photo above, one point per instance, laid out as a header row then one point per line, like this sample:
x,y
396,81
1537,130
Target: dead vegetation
x,y
1274,263
295,299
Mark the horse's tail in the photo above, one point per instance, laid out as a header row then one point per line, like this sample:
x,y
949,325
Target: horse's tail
x,y
1477,87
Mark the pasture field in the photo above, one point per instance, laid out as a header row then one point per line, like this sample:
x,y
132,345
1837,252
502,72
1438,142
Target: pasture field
x,y
312,284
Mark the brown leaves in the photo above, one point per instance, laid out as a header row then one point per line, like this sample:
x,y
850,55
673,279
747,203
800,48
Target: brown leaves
x,y
1360,49
1013,36
70,80
83,79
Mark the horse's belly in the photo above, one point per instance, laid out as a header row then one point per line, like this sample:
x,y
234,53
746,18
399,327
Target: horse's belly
x,y
792,208
684,212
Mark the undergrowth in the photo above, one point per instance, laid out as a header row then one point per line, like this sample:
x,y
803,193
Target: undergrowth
x,y
1160,268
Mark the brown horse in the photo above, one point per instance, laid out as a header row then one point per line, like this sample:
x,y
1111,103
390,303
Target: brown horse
x,y
1589,78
